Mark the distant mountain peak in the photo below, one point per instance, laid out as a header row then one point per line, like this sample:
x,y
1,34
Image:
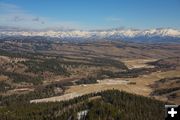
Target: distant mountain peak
x,y
111,34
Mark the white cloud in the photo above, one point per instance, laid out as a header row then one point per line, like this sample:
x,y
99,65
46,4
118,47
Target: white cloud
x,y
12,15
9,8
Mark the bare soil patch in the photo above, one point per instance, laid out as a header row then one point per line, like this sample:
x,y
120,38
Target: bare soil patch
x,y
141,87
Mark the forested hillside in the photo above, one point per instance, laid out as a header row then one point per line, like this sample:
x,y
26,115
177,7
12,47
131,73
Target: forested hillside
x,y
106,105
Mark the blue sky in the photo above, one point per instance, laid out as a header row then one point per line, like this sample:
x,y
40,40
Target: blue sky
x,y
90,14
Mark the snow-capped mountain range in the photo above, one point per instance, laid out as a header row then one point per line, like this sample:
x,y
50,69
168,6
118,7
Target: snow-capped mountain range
x,y
112,34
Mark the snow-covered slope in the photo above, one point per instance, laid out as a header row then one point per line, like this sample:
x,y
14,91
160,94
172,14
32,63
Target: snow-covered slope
x,y
97,34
